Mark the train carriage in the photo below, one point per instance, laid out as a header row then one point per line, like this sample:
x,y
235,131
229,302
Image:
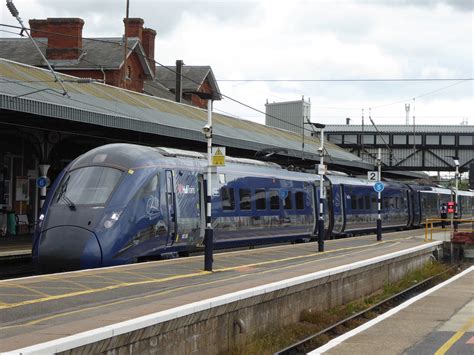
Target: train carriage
x,y
123,203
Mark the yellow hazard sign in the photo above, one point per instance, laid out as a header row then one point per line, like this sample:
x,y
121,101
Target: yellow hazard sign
x,y
218,156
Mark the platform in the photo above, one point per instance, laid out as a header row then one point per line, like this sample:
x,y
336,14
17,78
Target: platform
x,y
15,246
58,306
439,321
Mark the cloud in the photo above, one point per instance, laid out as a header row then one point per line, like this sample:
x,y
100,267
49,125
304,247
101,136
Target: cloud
x,y
278,39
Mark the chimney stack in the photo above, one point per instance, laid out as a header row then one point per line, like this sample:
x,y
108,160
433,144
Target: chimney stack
x,y
134,27
348,121
148,43
64,36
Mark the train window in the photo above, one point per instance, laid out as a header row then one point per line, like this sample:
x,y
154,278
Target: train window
x,y
228,199
260,199
152,185
373,200
274,200
244,197
288,203
88,186
353,202
299,199
360,202
149,188
367,202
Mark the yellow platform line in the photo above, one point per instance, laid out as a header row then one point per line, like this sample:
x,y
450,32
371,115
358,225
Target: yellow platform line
x,y
200,273
59,279
446,346
161,293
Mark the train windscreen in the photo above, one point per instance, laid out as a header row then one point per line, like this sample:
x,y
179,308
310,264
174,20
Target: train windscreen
x,y
87,186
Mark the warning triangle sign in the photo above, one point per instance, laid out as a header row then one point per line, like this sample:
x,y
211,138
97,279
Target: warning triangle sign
x,y
218,152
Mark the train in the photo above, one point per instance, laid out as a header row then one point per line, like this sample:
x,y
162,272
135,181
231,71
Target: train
x,y
125,203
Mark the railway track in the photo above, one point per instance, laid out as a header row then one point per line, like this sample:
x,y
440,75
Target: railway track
x,y
15,266
343,326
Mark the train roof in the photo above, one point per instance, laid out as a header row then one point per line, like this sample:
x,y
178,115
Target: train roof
x,y
131,156
336,179
173,152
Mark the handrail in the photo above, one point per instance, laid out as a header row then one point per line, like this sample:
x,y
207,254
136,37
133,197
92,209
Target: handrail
x,y
455,223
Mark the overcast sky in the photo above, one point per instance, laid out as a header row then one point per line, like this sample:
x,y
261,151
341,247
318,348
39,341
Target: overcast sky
x,y
292,40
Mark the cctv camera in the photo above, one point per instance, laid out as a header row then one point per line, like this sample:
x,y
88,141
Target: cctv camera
x,y
206,129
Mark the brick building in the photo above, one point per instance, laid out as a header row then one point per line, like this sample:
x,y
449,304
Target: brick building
x,y
62,43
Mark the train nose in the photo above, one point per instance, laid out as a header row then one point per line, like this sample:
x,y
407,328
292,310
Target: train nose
x,y
65,248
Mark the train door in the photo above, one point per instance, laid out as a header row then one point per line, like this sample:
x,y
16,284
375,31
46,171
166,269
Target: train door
x,y
338,209
171,207
188,207
329,211
416,208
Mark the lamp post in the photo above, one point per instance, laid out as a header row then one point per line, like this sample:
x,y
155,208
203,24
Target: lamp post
x,y
379,196
456,190
322,192
209,232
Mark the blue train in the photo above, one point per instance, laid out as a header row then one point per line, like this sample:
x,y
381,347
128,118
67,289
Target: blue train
x,y
123,203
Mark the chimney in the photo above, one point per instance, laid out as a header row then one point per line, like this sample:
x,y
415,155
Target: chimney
x,y
134,27
348,121
148,43
64,36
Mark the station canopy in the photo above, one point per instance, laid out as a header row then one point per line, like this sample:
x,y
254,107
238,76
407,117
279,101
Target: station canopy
x,y
32,90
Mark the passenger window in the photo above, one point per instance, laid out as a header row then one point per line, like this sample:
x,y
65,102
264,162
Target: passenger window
x,y
244,196
360,203
228,200
374,202
288,204
353,202
299,199
274,200
367,202
260,199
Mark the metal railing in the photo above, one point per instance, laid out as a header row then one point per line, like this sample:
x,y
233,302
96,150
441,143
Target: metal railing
x,y
447,225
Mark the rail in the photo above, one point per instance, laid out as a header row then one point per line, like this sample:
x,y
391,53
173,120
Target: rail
x,y
447,224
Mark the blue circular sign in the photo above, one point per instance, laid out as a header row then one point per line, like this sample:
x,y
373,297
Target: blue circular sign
x,y
42,181
379,186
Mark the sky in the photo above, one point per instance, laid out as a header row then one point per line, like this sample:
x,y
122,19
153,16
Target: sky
x,y
248,43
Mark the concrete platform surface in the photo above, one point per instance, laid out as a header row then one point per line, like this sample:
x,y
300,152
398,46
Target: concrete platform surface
x,y
439,321
16,245
42,308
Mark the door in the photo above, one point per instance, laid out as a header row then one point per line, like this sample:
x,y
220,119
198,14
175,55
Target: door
x,y
171,207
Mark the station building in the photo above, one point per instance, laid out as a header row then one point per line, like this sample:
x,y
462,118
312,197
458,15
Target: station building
x,y
40,126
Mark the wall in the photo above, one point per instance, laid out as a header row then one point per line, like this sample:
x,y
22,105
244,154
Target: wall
x,y
215,330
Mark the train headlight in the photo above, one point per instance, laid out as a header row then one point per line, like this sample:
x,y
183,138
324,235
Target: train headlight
x,y
111,219
40,220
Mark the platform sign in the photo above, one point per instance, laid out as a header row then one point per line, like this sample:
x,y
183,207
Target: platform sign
x,y
218,156
42,181
373,176
379,186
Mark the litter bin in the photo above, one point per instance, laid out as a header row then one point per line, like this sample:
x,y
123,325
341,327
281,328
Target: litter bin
x,y
3,224
11,223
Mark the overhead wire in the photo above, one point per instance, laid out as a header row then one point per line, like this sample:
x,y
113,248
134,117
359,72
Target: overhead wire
x,y
460,80
165,67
